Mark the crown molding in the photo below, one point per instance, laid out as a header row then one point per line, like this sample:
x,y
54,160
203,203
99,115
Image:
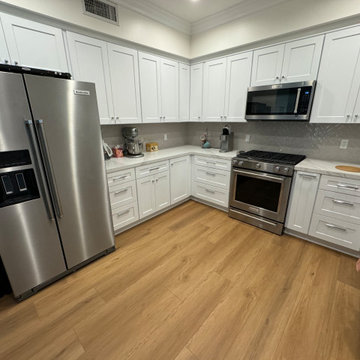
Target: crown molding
x,y
246,7
156,13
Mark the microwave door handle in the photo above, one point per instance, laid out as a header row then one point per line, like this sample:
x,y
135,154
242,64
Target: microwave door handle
x,y
297,100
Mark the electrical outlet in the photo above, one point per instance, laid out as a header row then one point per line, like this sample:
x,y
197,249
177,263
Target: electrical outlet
x,y
165,137
247,138
344,144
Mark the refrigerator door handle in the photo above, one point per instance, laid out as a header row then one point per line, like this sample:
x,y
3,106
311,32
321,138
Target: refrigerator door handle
x,y
48,168
30,126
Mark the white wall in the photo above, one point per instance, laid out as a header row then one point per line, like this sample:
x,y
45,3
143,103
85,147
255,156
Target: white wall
x,y
287,17
133,26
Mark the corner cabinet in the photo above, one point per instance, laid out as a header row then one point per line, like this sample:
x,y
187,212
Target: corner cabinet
x,y
336,96
184,92
196,91
180,171
89,61
32,44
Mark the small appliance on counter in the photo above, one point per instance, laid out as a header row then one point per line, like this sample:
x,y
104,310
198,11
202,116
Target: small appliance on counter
x,y
151,147
133,146
107,151
204,138
226,139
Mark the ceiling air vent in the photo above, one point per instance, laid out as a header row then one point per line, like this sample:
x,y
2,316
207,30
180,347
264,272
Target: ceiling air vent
x,y
103,9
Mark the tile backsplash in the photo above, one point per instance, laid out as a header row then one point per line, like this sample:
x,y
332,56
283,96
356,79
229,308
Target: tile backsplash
x,y
319,141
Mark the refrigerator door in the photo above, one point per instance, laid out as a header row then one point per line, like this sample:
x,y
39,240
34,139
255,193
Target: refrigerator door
x,y
67,123
30,247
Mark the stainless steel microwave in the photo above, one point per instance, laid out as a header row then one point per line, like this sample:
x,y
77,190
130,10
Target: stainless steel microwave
x,y
290,101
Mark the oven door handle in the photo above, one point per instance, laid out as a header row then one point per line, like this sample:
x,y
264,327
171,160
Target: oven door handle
x,y
260,175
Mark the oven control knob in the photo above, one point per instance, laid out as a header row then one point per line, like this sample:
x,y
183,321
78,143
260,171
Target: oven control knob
x,y
286,170
277,168
258,166
240,162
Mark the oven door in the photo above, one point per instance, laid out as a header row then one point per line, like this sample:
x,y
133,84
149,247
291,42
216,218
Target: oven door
x,y
260,193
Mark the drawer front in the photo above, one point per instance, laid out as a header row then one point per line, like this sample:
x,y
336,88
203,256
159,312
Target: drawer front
x,y
336,231
151,169
339,184
213,177
125,215
123,194
209,162
121,176
210,193
340,206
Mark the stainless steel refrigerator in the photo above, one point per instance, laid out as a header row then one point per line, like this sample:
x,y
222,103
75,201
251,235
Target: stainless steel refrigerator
x,y
54,205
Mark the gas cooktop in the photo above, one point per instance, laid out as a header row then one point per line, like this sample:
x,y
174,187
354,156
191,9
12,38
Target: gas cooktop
x,y
271,157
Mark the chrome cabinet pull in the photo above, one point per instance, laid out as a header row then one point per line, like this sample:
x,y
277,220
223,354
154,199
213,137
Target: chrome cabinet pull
x,y
308,176
335,227
120,191
48,168
210,191
155,168
123,212
342,202
119,178
345,186
297,100
211,174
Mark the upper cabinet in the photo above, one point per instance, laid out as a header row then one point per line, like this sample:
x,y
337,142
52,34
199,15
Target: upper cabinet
x,y
226,82
33,44
291,62
159,85
339,79
89,62
184,92
4,52
124,76
196,91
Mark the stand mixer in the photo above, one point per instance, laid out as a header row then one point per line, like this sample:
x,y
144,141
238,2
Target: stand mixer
x,y
133,146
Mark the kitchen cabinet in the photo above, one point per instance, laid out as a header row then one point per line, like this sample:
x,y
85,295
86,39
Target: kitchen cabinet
x,y
4,52
291,62
196,91
89,62
302,200
184,92
336,96
33,44
125,87
179,179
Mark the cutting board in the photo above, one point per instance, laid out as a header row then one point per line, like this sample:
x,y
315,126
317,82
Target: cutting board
x,y
348,168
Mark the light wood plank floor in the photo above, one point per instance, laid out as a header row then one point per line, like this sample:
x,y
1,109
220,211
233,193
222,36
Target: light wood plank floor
x,y
193,284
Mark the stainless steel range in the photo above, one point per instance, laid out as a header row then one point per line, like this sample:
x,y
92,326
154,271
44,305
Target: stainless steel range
x,y
260,188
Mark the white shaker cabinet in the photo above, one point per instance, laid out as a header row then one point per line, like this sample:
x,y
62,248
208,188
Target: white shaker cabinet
x,y
124,76
4,52
162,190
179,179
196,92
339,78
302,201
89,62
184,92
33,44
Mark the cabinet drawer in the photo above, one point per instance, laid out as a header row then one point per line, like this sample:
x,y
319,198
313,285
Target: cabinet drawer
x,y
151,169
212,163
121,176
210,193
338,205
213,177
125,215
341,185
123,194
335,231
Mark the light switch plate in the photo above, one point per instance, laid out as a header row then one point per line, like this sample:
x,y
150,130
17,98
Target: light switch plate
x,y
165,137
247,138
344,144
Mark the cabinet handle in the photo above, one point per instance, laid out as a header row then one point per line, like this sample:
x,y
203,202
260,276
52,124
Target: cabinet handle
x,y
283,77
6,61
16,63
335,227
342,202
211,162
153,169
209,173
123,212
308,176
210,191
119,178
349,187
164,117
277,77
225,117
199,117
120,191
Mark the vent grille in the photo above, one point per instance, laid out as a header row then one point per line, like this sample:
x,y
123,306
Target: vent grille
x,y
101,9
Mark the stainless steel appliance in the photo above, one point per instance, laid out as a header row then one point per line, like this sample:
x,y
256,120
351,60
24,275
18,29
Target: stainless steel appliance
x,y
260,188
226,139
133,146
292,101
54,206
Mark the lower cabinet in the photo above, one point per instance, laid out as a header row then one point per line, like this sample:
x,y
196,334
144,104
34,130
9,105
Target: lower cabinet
x,y
179,179
153,193
210,193
125,215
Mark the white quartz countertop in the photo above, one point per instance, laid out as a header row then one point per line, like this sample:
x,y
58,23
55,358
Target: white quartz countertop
x,y
115,164
326,168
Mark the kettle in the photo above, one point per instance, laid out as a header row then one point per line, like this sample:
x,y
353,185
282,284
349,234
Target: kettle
x,y
107,151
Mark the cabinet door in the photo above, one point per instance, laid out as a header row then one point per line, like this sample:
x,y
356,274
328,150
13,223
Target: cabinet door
x,y
267,65
196,91
356,113
237,82
169,85
214,89
162,190
302,201
124,75
301,59
89,62
150,87
4,53
184,92
146,196
33,44
339,78
179,179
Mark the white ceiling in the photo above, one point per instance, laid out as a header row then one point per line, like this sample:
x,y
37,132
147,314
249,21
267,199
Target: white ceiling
x,y
191,10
